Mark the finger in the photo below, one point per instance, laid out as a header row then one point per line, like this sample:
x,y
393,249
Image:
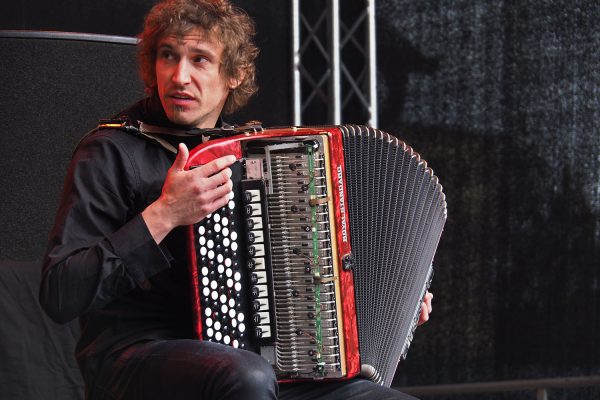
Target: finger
x,y
222,201
215,166
424,315
218,179
218,203
182,157
429,301
218,192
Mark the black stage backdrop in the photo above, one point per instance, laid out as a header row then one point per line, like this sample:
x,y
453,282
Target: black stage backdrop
x,y
503,100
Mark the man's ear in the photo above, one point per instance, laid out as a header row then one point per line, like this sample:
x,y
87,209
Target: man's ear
x,y
234,82
237,80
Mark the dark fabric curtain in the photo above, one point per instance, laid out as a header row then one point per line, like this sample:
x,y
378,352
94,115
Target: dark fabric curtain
x,y
36,355
502,99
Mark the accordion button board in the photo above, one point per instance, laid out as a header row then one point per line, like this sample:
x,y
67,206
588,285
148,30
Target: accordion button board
x,y
267,279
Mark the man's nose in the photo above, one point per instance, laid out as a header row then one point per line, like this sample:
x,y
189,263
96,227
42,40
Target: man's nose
x,y
181,74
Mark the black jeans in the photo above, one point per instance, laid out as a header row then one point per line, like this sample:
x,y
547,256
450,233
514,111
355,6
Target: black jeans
x,y
191,369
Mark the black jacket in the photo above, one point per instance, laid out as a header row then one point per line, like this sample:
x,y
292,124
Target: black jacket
x,y
102,264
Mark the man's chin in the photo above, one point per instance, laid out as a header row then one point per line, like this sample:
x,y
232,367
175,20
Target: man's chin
x,y
179,118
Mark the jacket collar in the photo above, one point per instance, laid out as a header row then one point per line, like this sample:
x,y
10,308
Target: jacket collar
x,y
150,111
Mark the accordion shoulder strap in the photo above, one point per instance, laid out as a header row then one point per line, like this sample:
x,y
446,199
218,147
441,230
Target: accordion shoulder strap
x,y
156,133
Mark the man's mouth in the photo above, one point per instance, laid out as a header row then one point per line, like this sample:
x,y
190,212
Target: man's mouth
x,y
181,99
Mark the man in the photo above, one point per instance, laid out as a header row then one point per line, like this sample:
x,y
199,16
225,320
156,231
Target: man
x,y
117,253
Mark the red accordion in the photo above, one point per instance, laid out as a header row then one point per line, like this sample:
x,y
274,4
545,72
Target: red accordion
x,y
320,260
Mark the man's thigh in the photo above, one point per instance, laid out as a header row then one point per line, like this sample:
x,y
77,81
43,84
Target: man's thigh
x,y
356,389
185,369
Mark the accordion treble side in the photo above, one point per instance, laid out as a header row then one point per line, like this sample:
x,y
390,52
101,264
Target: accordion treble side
x,y
322,257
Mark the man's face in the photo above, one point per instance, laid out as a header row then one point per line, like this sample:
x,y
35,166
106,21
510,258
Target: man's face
x,y
191,88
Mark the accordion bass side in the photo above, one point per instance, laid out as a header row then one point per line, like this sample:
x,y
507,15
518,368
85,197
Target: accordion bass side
x,y
322,257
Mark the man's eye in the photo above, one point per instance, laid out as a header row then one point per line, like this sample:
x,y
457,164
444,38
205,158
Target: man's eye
x,y
165,54
199,59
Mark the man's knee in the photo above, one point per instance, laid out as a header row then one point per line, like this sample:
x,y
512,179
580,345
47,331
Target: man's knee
x,y
251,377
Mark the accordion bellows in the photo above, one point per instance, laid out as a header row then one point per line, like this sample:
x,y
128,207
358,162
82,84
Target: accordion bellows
x,y
397,213
278,272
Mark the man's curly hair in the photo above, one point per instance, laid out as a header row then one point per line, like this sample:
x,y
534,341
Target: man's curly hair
x,y
232,26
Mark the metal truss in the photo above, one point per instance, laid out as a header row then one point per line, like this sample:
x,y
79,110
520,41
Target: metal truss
x,y
334,62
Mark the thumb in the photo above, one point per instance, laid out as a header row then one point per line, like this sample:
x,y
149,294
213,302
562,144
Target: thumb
x,y
182,157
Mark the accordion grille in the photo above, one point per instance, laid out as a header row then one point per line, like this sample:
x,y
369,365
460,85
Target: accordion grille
x,y
397,212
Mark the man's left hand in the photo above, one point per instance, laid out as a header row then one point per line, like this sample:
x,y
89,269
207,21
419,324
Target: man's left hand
x,y
425,308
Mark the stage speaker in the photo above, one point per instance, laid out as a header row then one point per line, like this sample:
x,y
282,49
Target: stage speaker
x,y
55,87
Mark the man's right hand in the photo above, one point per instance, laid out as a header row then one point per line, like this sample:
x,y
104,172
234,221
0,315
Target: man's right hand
x,y
189,196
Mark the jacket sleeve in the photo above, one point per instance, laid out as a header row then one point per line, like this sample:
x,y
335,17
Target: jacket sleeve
x,y
99,247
